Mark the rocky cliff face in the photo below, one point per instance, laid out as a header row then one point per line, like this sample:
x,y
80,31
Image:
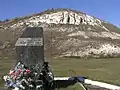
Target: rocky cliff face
x,y
67,33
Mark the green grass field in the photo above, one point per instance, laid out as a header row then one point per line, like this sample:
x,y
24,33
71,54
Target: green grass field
x,y
107,70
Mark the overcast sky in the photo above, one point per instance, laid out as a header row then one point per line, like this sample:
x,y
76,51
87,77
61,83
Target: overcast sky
x,y
107,10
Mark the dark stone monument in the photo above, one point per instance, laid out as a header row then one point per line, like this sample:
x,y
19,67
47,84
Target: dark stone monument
x,y
30,48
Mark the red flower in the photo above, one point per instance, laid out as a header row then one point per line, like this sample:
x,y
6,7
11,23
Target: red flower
x,y
28,71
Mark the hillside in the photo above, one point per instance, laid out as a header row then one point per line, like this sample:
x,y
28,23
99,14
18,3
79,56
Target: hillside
x,y
67,33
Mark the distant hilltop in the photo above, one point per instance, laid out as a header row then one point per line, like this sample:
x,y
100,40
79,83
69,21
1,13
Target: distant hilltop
x,y
67,33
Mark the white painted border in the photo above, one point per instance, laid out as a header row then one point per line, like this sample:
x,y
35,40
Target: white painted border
x,y
94,83
102,84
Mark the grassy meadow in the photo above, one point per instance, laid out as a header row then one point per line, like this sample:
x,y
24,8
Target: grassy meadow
x,y
107,70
